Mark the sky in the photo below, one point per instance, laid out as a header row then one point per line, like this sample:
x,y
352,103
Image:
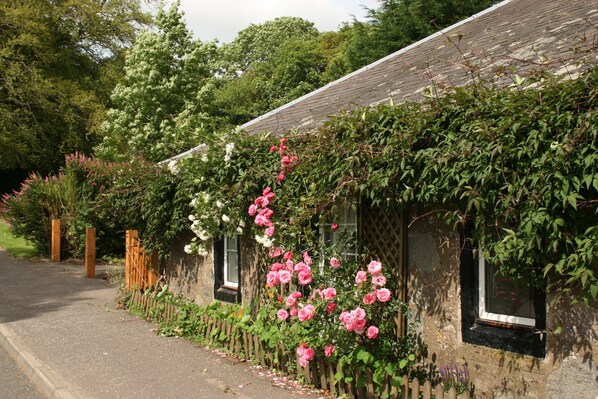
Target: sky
x,y
222,19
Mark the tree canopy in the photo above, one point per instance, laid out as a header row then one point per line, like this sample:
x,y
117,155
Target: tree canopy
x,y
162,105
57,70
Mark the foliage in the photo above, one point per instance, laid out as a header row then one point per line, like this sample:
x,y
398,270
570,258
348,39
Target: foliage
x,y
518,163
111,197
15,246
398,23
58,63
268,65
30,211
162,105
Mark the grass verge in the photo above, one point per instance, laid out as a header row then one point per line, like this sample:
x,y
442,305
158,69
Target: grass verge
x,y
16,246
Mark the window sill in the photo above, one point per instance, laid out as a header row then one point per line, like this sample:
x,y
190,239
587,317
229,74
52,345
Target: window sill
x,y
227,294
509,337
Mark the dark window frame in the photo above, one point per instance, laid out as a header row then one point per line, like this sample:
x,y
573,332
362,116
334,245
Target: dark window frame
x,y
514,338
223,292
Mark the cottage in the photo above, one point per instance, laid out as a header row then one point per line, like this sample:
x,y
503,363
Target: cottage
x,y
509,345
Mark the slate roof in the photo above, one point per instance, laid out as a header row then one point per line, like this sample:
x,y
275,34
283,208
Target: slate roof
x,y
514,33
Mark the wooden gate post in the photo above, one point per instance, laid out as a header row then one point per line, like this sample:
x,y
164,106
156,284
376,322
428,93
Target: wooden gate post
x,y
128,258
152,273
55,240
90,252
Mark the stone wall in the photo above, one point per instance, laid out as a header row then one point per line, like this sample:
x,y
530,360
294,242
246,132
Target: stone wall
x,y
193,275
190,275
434,292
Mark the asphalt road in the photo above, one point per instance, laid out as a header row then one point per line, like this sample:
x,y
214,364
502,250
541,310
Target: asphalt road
x,y
13,383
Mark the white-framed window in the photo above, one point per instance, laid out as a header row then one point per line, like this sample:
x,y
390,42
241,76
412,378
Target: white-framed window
x,y
503,300
231,262
346,226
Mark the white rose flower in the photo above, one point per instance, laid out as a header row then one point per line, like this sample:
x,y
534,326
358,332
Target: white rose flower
x,y
219,204
188,249
228,151
225,218
203,235
192,217
239,230
173,168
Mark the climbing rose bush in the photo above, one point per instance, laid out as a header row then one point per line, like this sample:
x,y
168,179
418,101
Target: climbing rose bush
x,y
322,304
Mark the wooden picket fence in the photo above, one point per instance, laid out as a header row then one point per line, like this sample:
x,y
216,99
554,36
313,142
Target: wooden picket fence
x,y
320,373
140,267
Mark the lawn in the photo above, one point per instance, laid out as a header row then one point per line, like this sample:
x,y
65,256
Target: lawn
x,y
16,246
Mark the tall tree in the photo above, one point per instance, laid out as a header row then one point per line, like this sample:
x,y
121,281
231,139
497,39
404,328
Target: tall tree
x,y
163,104
57,63
267,65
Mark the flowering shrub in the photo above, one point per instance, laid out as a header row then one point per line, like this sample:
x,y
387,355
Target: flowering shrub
x,y
327,306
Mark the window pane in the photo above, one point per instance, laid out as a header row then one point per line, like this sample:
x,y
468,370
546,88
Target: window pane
x,y
505,296
231,268
347,228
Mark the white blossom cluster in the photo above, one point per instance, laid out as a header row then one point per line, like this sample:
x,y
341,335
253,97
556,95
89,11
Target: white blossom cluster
x,y
264,240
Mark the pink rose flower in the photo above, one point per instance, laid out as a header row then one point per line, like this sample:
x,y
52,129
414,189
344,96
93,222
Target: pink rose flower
x,y
273,148
306,313
372,332
307,258
329,293
267,212
280,176
262,220
282,314
305,278
302,267
361,277
272,278
301,349
379,280
383,295
309,354
303,362
275,252
276,266
335,263
288,255
252,209
289,265
358,330
369,298
334,226
329,350
292,299
268,194
285,161
294,312
269,231
284,276
359,326
374,267
359,313
330,307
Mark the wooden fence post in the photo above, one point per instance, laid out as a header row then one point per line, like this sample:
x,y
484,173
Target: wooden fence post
x,y
152,273
55,240
90,252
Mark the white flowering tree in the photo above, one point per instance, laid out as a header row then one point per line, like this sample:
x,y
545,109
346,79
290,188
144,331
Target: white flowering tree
x,y
162,106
